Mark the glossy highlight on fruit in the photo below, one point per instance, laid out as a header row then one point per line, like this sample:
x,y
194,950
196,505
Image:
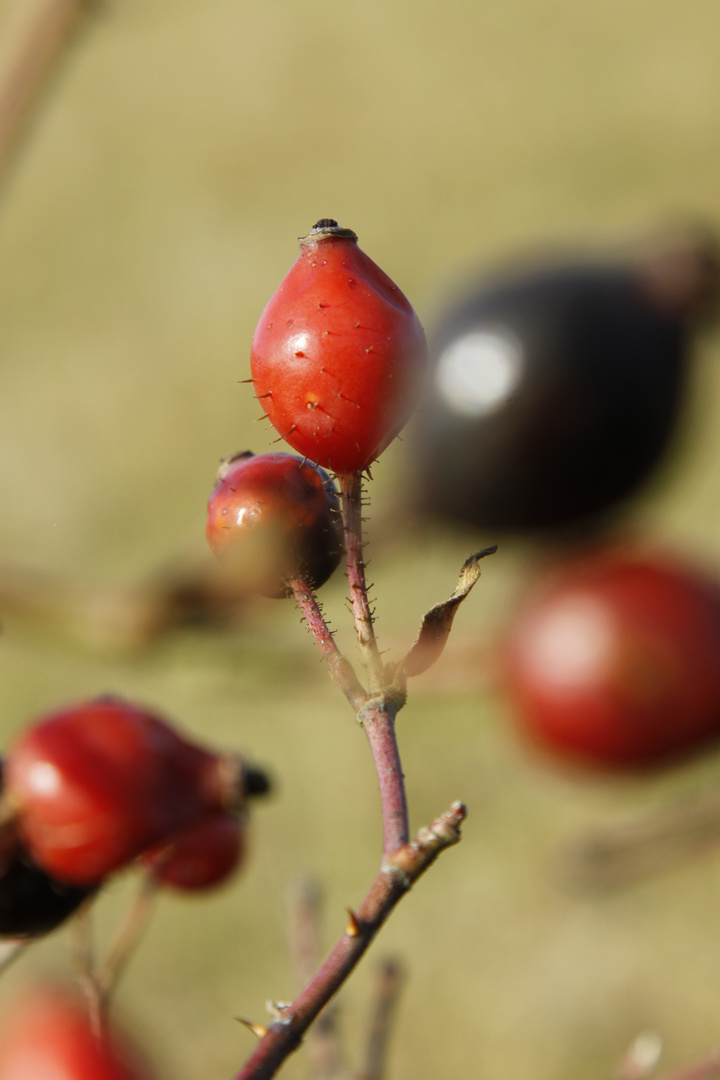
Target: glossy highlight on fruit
x,y
201,856
274,517
338,355
555,389
95,784
48,1036
614,660
31,902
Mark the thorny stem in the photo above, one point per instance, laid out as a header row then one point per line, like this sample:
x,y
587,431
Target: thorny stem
x,y
23,78
377,716
341,671
351,492
399,873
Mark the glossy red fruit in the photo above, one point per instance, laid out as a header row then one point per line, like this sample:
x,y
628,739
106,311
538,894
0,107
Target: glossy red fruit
x,y
274,517
614,660
96,784
338,354
200,856
48,1036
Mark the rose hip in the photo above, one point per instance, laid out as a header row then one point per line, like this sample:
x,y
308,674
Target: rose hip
x,y
49,1037
200,856
614,660
274,517
338,354
96,784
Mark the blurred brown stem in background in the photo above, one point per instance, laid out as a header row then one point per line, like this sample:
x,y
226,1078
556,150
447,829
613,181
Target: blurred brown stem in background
x,y
323,1043
123,619
389,983
24,74
618,855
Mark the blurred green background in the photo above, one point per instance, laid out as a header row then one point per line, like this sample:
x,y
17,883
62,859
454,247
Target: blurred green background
x,y
149,214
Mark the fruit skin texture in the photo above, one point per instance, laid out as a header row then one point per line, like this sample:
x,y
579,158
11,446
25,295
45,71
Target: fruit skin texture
x,y
96,784
272,517
553,395
338,354
201,856
614,661
49,1037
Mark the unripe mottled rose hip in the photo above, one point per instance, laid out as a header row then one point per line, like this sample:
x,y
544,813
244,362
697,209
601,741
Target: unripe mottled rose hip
x,y
338,355
96,784
274,517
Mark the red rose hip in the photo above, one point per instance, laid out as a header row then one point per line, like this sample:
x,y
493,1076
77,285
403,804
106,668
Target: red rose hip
x,y
201,856
50,1037
94,785
615,661
338,354
274,517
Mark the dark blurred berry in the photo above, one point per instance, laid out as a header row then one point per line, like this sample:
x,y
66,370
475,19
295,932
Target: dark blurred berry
x,y
555,390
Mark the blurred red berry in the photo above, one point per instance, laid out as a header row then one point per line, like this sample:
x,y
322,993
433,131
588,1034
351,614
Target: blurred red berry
x,y
48,1036
338,353
273,517
615,660
200,856
96,784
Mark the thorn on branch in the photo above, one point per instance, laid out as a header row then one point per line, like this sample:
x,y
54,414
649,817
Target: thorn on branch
x,y
257,1029
353,926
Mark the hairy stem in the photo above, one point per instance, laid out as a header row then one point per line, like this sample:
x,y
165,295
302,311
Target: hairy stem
x,y
399,873
351,492
341,671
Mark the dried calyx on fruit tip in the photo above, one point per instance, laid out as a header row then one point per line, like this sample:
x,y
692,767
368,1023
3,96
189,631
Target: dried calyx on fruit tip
x,y
324,229
238,781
